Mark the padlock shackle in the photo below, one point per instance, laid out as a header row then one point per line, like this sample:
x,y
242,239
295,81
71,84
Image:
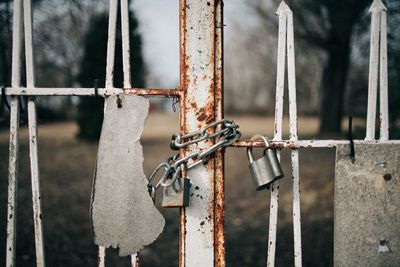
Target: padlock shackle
x,y
175,177
266,141
263,137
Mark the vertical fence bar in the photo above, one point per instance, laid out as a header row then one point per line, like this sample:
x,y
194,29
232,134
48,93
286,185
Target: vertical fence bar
x,y
182,119
383,74
33,140
127,71
376,9
101,256
199,109
125,43
280,84
280,79
14,132
112,24
219,244
293,137
12,183
37,211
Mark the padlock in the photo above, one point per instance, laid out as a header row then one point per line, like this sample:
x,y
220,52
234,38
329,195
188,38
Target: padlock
x,y
266,169
176,195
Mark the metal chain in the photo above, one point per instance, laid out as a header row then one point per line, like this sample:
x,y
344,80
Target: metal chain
x,y
173,165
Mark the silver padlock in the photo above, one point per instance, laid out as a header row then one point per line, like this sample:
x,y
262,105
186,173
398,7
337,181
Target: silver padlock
x,y
266,169
176,195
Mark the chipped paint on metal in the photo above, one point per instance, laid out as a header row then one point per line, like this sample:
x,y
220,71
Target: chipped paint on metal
x,y
383,82
308,143
377,9
201,102
198,110
293,137
280,85
33,146
112,25
182,120
12,183
219,236
14,143
101,257
30,91
127,72
125,43
35,177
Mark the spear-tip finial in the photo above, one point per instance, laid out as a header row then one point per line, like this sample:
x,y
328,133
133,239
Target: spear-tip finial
x,y
283,9
377,7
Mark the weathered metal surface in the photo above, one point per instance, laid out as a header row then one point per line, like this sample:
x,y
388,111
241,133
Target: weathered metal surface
x,y
308,143
109,84
123,213
286,44
126,60
377,9
35,179
101,257
293,137
125,43
90,91
112,29
33,146
383,81
198,110
280,83
182,119
177,195
219,236
367,206
12,183
201,100
135,261
14,144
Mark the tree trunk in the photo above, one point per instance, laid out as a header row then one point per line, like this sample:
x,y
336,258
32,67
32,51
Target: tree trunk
x,y
333,86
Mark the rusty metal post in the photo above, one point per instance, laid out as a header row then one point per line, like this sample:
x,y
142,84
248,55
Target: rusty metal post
x,y
201,228
219,242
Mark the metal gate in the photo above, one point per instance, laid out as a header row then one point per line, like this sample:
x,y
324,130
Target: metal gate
x,y
200,96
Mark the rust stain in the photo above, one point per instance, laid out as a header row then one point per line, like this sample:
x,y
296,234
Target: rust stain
x,y
201,117
193,105
153,92
137,261
219,218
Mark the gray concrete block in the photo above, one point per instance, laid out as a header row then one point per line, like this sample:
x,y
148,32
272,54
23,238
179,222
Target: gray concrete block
x,y
367,206
123,213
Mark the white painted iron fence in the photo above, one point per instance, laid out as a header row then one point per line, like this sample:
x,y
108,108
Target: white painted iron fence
x,y
200,90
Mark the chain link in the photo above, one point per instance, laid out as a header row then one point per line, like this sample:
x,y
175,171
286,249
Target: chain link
x,y
172,167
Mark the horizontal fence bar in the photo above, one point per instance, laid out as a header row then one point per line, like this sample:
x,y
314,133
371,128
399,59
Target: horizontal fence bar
x,y
91,91
308,143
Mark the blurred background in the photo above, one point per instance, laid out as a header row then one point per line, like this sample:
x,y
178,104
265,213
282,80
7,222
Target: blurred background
x,y
70,40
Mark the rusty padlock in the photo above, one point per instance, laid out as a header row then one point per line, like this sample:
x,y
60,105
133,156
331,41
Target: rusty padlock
x,y
177,192
266,169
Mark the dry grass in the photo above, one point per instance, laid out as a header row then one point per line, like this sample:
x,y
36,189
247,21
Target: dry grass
x,y
67,164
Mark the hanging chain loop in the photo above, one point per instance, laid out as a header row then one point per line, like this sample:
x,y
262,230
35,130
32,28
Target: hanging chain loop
x,y
172,167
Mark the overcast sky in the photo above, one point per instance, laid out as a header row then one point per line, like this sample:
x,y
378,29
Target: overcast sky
x,y
159,24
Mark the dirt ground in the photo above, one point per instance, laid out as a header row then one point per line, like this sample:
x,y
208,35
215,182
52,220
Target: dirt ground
x,y
67,164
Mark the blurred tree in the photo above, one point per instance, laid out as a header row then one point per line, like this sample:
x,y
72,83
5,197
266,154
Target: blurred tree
x,y
327,25
93,66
